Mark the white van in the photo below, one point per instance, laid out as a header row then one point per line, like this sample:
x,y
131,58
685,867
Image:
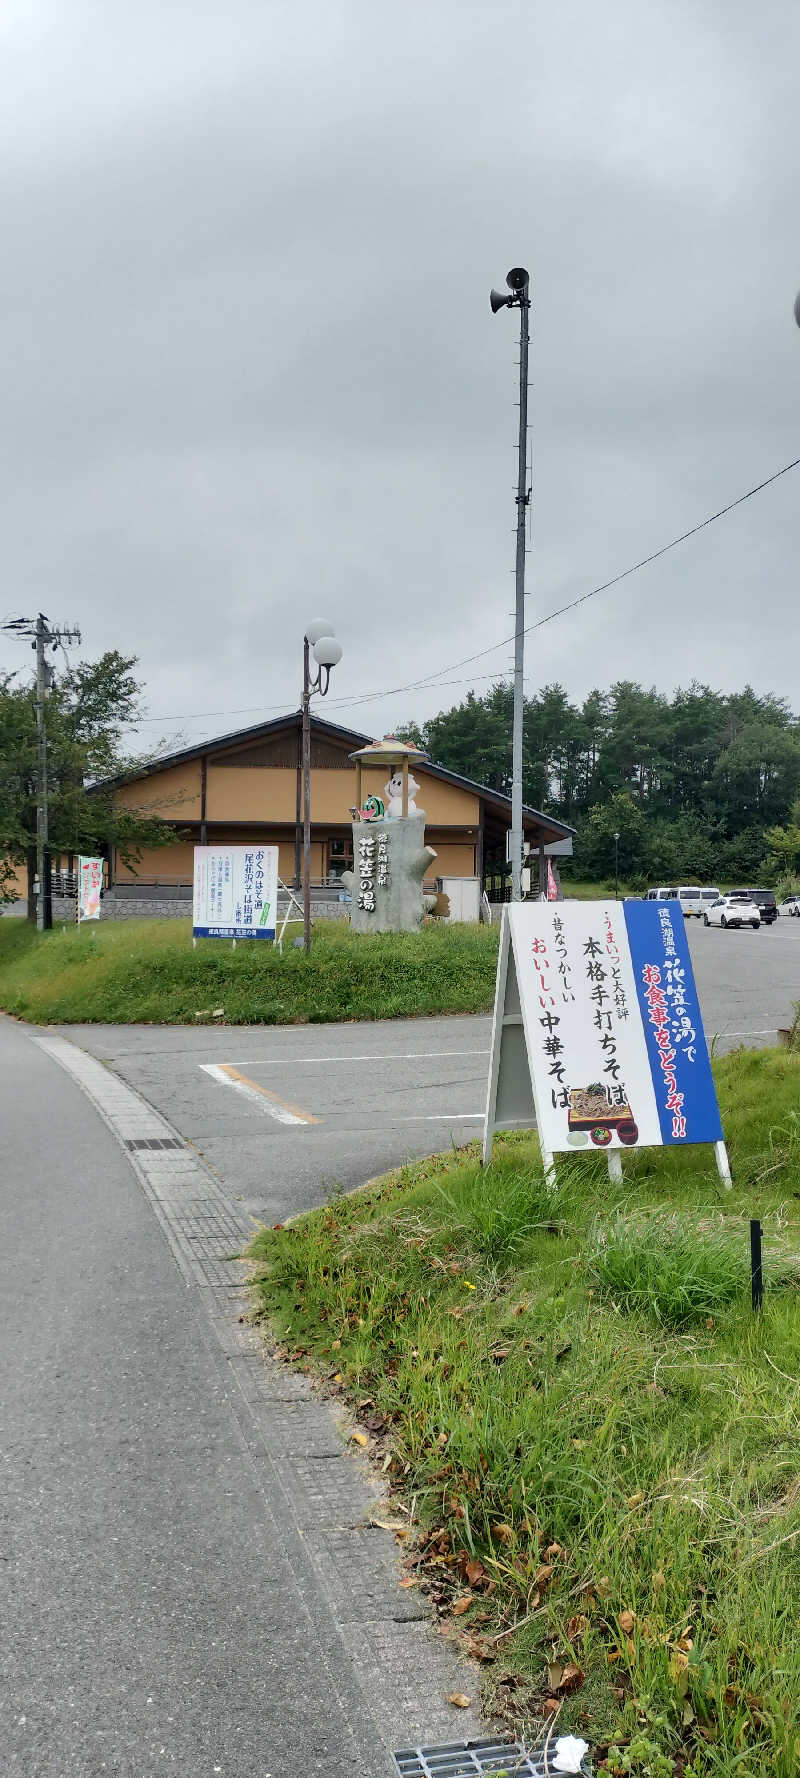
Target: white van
x,y
692,898
695,901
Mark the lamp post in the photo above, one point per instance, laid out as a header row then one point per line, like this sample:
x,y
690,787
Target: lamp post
x,y
518,283
616,867
327,653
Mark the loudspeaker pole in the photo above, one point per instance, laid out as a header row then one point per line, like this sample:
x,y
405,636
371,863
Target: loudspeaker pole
x,y
518,283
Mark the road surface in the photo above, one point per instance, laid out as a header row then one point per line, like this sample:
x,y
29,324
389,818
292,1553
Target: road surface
x,y
289,1115
189,1580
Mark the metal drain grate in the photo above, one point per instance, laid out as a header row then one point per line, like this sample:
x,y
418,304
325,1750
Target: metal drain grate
x,y
154,1142
469,1759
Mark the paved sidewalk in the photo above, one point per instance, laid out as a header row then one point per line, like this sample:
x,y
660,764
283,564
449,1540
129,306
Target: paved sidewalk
x,y
188,1574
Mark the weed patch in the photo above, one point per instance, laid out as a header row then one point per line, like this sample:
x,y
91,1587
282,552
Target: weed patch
x,y
596,1439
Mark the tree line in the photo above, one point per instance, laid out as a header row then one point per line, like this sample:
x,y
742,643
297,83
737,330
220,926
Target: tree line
x,y
88,709
700,785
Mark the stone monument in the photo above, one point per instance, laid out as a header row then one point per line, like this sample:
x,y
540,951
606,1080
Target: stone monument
x,y
390,857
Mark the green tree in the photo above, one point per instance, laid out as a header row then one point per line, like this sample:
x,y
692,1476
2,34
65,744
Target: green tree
x,y
595,848
783,845
87,712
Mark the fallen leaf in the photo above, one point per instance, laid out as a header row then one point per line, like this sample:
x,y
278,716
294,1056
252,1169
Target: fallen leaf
x,y
480,1651
543,1574
410,1580
336,1345
627,1620
475,1572
603,1586
550,1706
388,1524
460,1699
505,1533
359,1438
553,1550
555,1674
688,1716
572,1678
459,1606
577,1626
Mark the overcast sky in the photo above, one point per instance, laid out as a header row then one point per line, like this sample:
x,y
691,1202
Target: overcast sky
x,y
250,375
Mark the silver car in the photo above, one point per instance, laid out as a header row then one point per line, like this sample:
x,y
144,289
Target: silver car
x,y
790,907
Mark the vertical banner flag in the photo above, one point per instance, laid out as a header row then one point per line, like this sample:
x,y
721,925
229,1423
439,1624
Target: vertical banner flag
x,y
552,886
90,883
235,891
615,1051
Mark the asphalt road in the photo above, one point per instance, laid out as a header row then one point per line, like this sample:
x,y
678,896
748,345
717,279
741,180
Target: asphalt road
x,y
163,1596
288,1115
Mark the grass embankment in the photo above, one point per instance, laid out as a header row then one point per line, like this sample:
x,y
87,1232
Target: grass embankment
x,y
146,970
599,1439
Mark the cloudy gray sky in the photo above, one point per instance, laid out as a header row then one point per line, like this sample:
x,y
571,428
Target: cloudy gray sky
x,y
250,375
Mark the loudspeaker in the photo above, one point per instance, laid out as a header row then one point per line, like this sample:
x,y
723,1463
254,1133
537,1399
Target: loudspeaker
x,y
497,301
517,278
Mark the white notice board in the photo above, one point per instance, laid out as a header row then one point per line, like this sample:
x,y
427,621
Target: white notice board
x,y
235,891
597,1036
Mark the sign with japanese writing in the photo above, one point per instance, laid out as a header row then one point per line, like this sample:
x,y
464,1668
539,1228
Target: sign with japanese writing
x,y
90,883
614,1046
235,891
373,866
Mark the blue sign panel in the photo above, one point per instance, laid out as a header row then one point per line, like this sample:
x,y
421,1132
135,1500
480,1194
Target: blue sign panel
x,y
673,1027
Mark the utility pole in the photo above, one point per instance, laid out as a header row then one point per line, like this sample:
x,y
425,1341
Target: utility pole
x,y
39,628
518,283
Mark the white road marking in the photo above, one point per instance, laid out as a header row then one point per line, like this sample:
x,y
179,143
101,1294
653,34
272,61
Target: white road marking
x,y
260,1096
440,1117
401,1056
771,1031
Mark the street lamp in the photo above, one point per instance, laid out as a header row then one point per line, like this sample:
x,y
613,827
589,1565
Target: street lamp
x,y
518,284
327,653
616,867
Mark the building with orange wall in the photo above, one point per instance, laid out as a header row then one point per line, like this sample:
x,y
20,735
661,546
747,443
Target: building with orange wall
x,y
245,788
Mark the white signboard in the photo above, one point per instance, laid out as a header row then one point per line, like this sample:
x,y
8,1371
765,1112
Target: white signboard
x,y
90,883
597,1036
235,891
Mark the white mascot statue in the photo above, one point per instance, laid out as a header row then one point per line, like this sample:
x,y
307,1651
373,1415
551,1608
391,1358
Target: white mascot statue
x,y
394,796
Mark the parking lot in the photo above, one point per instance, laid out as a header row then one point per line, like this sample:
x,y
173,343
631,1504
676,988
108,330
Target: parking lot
x,y
286,1115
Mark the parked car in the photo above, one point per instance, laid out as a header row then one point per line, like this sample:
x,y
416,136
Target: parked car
x,y
764,900
661,895
790,907
732,910
695,901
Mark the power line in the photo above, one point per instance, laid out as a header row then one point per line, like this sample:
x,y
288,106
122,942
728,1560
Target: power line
x,y
420,684
432,681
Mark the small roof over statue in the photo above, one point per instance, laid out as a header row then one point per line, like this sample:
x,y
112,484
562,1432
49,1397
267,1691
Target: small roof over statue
x,y
396,755
388,752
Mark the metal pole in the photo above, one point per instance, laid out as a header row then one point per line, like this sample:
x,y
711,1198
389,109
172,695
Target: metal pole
x,y
44,909
519,633
616,867
306,800
756,1273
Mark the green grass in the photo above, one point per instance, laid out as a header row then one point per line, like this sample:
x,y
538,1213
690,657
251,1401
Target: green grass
x,y
599,1440
147,971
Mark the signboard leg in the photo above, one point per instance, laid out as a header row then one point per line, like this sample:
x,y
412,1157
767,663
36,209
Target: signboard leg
x,y
615,1165
723,1164
549,1168
494,1053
